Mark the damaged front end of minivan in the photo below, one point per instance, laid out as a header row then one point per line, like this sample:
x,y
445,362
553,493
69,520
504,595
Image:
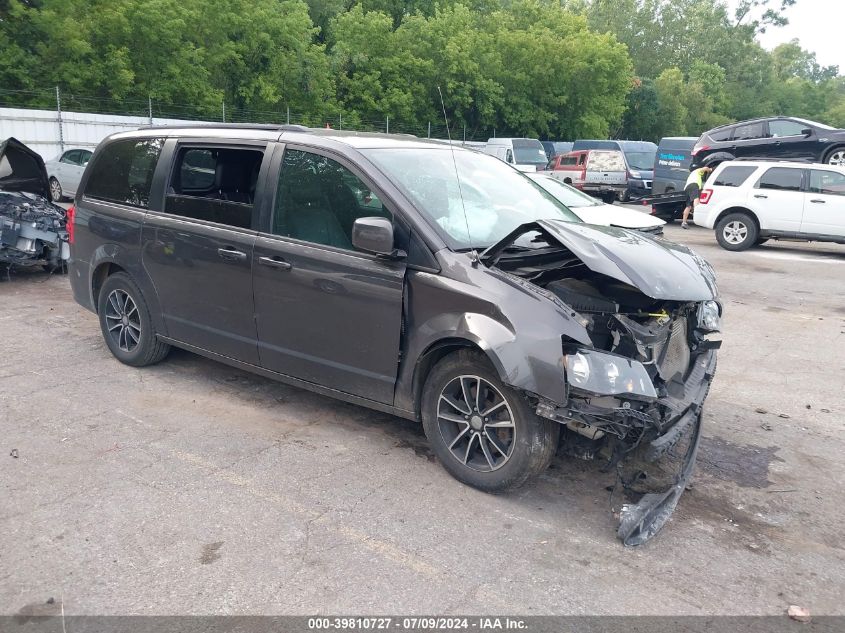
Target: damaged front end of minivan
x,y
634,396
33,230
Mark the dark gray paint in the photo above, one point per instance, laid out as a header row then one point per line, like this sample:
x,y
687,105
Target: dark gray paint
x,y
659,269
333,320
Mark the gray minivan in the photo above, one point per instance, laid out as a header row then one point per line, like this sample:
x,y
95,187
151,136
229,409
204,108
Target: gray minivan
x,y
435,283
672,163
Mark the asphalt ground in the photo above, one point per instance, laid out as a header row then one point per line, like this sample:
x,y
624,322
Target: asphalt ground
x,y
193,488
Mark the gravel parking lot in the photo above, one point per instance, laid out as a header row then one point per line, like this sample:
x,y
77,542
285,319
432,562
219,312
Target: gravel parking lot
x,y
193,488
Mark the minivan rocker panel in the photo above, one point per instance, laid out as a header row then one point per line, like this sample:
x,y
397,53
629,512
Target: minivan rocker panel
x,y
557,337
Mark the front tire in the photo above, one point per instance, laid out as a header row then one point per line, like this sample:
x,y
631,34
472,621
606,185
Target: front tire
x,y
736,232
126,324
484,433
56,193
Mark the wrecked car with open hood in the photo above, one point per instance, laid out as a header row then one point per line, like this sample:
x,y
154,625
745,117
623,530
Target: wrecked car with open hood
x,y
431,282
32,228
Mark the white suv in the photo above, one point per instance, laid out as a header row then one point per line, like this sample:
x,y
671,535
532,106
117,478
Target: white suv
x,y
749,202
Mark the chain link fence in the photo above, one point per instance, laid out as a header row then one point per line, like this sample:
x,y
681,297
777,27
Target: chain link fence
x,y
64,102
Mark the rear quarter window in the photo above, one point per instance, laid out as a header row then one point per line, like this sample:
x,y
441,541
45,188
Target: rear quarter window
x,y
123,172
721,135
782,179
734,176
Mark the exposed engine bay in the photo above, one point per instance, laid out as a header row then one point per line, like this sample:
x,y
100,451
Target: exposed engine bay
x,y
635,396
33,230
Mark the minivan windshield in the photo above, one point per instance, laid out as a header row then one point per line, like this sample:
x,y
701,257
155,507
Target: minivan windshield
x,y
641,160
497,198
529,152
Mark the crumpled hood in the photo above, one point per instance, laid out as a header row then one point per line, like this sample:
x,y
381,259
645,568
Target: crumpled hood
x,y
21,169
657,268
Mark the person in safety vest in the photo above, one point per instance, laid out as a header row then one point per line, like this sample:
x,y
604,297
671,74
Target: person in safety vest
x,y
693,189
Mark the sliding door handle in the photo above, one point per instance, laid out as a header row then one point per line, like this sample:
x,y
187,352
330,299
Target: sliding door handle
x,y
275,262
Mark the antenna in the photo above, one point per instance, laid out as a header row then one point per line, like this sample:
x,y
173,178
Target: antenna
x,y
473,253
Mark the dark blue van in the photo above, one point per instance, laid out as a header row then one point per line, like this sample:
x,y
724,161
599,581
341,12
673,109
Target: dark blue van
x,y
553,148
672,164
639,158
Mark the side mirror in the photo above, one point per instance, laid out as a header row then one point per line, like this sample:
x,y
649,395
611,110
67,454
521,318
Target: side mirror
x,y
374,235
807,132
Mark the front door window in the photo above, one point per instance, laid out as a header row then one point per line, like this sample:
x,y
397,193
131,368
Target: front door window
x,y
319,199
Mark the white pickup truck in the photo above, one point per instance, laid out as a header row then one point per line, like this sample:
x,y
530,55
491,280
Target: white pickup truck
x,y
598,172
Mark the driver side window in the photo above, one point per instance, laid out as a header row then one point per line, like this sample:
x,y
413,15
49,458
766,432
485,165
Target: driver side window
x,y
781,128
318,200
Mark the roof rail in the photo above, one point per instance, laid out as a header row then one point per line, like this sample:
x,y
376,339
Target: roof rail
x,y
235,126
771,160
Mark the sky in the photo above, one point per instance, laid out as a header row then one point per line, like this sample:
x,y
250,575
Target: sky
x,y
817,25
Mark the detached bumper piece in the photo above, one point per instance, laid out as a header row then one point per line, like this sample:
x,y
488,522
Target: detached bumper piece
x,y
668,460
639,522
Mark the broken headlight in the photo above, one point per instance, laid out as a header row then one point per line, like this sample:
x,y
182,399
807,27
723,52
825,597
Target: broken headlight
x,y
607,374
709,316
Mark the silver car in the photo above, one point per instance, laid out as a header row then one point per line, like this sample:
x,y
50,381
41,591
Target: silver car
x,y
65,172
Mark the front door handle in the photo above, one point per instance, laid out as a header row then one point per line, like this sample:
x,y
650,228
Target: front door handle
x,y
230,254
760,195
275,262
817,201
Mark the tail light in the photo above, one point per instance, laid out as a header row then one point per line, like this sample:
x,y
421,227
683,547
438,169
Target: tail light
x,y
695,150
705,196
69,216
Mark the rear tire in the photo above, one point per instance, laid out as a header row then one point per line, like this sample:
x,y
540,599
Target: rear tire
x,y
484,433
836,157
56,193
126,324
736,231
608,198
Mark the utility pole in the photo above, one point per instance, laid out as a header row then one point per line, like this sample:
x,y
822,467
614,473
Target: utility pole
x,y
288,115
429,129
59,120
340,125
224,110
150,103
387,124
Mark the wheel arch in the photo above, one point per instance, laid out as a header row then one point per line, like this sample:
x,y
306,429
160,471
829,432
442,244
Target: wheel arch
x,y
99,275
109,259
829,153
738,209
438,350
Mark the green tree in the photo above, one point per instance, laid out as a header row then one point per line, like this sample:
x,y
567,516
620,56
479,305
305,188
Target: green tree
x,y
672,114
